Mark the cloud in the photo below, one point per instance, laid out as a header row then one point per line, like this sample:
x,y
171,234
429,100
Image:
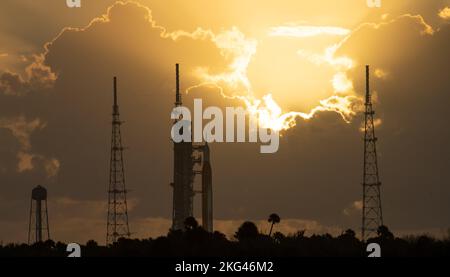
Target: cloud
x,y
376,122
354,209
37,76
236,48
303,31
286,226
25,161
381,74
52,167
444,13
29,161
22,129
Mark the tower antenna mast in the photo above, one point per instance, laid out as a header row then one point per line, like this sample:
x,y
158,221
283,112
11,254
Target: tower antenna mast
x,y
117,225
372,216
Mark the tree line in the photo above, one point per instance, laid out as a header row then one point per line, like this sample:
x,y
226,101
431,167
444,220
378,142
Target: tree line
x,y
247,241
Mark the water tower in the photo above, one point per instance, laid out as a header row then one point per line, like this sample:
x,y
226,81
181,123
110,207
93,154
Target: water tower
x,y
38,224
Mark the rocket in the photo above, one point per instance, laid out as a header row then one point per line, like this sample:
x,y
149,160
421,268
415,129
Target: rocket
x,y
207,197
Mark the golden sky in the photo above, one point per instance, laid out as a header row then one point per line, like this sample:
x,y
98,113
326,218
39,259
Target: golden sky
x,y
304,60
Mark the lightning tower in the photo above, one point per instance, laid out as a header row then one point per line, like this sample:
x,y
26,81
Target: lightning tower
x,y
117,225
183,174
372,216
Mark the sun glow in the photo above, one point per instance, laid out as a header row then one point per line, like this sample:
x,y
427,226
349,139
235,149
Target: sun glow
x,y
307,31
239,50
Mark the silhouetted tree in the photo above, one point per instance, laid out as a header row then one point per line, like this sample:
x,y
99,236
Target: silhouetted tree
x,y
278,237
219,236
61,247
299,234
91,244
349,233
190,223
49,244
447,236
247,230
196,242
274,219
384,233
174,234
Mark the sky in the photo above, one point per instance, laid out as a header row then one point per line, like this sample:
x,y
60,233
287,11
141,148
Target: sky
x,y
300,62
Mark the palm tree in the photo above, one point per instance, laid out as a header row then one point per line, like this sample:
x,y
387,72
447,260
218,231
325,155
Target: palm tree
x,y
274,219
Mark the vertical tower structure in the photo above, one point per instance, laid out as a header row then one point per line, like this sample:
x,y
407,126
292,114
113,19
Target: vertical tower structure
x,y
207,193
372,216
117,222
38,229
183,174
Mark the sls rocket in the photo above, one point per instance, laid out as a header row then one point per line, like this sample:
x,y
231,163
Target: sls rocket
x,y
207,197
